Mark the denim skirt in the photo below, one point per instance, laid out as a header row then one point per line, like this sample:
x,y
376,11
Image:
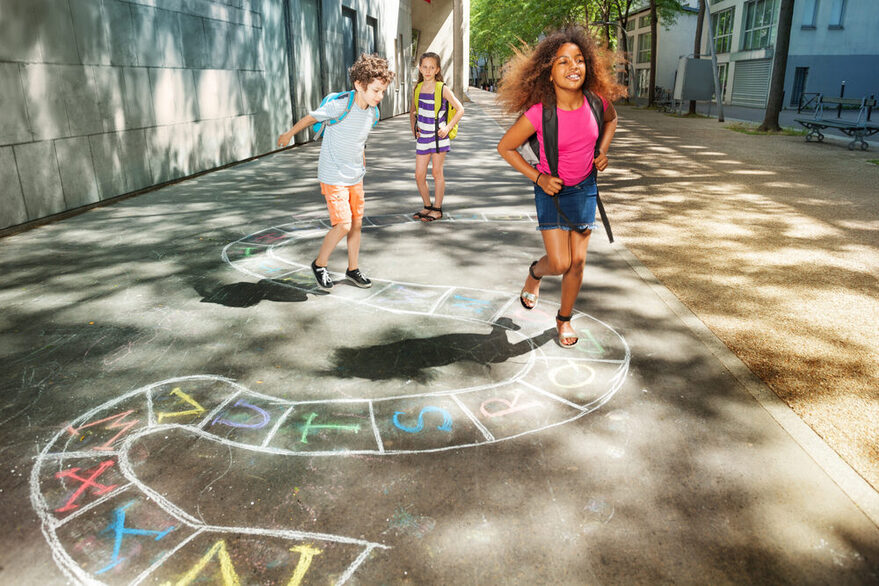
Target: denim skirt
x,y
577,202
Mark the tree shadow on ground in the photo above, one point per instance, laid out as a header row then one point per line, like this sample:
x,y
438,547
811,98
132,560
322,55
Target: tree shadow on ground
x,y
245,294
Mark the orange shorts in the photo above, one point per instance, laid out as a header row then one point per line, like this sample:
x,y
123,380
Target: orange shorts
x,y
344,201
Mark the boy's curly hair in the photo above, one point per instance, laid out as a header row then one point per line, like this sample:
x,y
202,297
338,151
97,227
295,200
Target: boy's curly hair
x,y
370,67
526,76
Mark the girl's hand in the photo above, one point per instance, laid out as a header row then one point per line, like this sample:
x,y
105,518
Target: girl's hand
x,y
551,185
601,161
284,139
443,131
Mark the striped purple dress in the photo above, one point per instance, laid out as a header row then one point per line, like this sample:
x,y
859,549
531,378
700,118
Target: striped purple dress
x,y
427,139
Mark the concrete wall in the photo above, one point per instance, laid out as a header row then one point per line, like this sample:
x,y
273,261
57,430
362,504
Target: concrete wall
x,y
673,40
105,97
444,27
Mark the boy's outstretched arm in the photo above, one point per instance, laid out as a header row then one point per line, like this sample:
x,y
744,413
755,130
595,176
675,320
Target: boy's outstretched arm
x,y
303,123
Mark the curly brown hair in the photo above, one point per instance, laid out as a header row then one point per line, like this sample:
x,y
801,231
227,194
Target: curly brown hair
x,y
370,67
526,80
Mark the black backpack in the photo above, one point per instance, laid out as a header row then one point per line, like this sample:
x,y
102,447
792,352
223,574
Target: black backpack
x,y
551,148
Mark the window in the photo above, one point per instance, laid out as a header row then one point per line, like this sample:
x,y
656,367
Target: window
x,y
349,37
837,12
643,48
723,25
371,35
643,82
644,21
810,13
760,18
722,77
630,24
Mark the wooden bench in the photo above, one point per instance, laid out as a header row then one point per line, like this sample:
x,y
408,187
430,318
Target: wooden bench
x,y
858,129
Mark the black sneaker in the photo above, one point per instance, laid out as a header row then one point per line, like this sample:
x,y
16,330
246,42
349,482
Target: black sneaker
x,y
358,278
322,276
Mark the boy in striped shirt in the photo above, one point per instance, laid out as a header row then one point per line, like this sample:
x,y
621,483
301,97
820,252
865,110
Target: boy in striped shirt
x,y
342,162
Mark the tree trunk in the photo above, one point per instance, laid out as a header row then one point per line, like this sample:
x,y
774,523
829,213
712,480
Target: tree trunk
x,y
651,93
697,44
779,67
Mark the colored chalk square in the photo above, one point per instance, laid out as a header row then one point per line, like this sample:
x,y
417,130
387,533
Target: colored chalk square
x,y
461,217
232,558
386,220
264,266
269,237
248,420
407,297
122,537
72,484
188,402
584,382
326,427
104,431
425,423
508,217
472,303
516,409
237,252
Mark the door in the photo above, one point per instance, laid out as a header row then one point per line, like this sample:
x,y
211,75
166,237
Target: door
x,y
796,94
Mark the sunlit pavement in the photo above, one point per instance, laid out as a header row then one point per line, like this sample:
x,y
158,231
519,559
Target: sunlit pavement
x,y
181,402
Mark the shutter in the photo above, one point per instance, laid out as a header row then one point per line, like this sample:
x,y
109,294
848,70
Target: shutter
x,y
751,83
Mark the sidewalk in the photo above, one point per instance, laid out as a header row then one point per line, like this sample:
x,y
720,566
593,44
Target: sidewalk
x,y
180,400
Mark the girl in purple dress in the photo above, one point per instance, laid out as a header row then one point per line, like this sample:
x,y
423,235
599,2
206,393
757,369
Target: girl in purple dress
x,y
431,131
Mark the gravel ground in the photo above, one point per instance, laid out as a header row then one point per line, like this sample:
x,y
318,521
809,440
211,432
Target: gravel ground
x,y
774,244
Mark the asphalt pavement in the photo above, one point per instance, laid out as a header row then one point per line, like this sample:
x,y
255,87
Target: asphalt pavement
x,y
182,403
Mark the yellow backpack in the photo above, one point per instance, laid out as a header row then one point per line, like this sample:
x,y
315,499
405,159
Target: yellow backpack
x,y
437,103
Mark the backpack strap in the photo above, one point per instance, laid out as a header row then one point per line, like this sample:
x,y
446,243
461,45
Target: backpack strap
x,y
437,103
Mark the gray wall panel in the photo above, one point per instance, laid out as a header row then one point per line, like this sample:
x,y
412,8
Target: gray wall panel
x,y
219,93
77,171
133,148
40,180
90,30
13,115
19,31
108,164
12,207
81,101
120,33
174,96
195,54
46,107
56,33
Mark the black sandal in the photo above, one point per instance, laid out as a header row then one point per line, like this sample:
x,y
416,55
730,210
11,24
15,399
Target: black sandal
x,y
429,218
525,295
419,215
563,337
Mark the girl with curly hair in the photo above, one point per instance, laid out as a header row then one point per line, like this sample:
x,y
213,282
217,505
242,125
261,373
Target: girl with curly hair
x,y
563,72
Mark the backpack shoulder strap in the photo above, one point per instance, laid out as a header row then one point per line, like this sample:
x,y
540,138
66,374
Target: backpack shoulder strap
x,y
437,98
597,106
417,92
551,138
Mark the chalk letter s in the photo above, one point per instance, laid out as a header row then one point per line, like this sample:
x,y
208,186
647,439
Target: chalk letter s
x,y
446,426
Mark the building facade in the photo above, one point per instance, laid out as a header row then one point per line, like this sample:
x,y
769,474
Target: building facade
x,y
102,98
674,40
833,42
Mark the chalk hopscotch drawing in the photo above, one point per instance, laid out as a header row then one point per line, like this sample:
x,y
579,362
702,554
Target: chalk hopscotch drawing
x,y
106,525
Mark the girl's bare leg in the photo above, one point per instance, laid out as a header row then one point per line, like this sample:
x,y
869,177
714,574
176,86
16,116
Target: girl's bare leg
x,y
421,162
555,262
439,181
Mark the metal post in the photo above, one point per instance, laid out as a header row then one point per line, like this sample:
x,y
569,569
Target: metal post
x,y
841,94
714,66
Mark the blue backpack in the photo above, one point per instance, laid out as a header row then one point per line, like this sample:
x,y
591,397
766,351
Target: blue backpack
x,y
320,126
